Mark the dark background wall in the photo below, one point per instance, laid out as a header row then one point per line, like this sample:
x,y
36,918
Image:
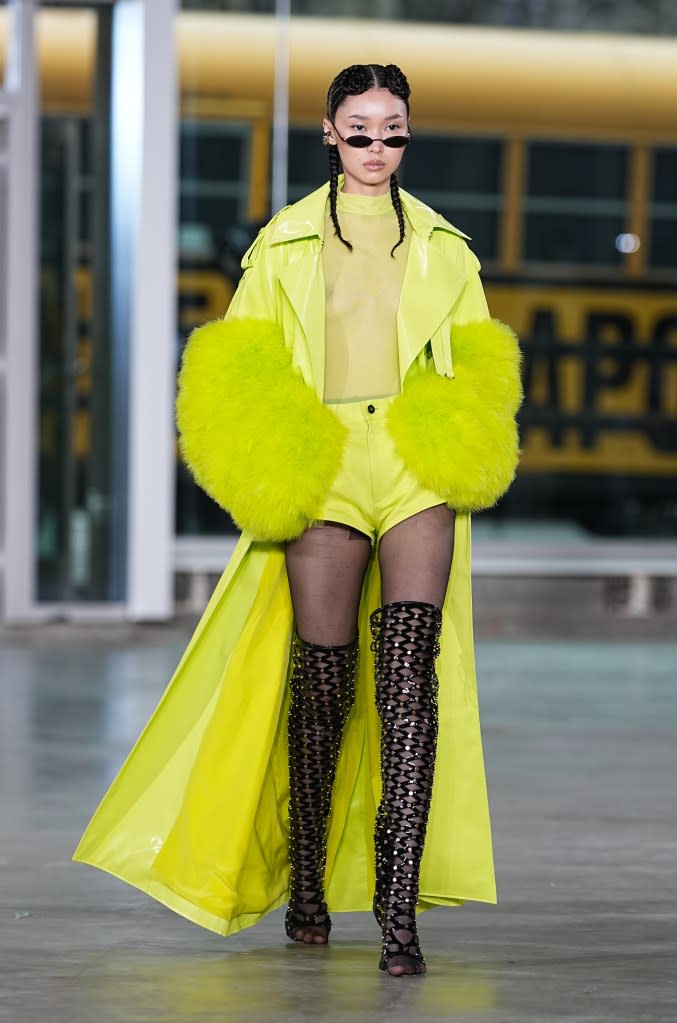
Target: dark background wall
x,y
657,17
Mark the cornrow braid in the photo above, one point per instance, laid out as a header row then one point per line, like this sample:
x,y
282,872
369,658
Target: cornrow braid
x,y
333,191
353,81
359,78
397,203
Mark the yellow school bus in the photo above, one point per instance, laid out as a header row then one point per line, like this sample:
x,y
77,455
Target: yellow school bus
x,y
556,153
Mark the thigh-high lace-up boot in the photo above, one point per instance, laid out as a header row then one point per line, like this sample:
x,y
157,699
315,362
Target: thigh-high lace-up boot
x,y
405,641
322,693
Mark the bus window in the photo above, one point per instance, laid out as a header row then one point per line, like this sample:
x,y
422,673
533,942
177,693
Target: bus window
x,y
663,249
461,178
576,203
308,162
214,182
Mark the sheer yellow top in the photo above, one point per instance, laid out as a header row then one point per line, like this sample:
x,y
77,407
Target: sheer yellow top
x,y
362,291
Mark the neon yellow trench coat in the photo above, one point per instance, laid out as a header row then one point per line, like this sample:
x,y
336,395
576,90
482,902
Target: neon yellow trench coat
x,y
197,816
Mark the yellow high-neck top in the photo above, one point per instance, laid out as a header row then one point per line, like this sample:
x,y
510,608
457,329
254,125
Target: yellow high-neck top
x,y
362,290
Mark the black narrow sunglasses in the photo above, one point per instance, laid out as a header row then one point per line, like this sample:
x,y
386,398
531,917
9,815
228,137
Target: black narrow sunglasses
x,y
363,141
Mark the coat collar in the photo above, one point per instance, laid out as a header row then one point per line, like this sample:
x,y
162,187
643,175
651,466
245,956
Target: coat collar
x,y
431,285
306,218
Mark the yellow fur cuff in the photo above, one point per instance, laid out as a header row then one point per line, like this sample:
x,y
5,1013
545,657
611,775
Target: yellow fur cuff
x,y
458,436
254,435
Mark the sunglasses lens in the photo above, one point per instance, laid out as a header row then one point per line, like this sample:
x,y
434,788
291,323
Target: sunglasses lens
x,y
392,141
363,141
358,141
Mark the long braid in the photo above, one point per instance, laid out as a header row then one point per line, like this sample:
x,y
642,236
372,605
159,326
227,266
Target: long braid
x,y
333,190
353,81
397,203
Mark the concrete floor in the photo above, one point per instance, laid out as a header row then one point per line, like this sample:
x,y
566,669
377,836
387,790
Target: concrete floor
x,y
581,759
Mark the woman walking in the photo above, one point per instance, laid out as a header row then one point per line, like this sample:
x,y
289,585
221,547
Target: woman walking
x,y
351,411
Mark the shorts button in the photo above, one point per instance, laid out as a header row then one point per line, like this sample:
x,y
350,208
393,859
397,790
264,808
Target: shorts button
x,y
371,408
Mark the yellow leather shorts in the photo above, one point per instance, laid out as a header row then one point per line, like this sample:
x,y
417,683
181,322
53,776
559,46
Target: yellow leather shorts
x,y
373,490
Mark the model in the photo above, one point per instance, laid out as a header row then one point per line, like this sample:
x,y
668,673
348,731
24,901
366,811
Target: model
x,y
351,411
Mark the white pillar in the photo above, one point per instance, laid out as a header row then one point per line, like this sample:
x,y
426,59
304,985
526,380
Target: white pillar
x,y
144,145
281,107
19,326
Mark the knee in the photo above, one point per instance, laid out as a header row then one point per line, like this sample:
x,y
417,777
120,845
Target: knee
x,y
327,633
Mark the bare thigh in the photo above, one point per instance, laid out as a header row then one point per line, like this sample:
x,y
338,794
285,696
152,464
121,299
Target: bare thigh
x,y
325,568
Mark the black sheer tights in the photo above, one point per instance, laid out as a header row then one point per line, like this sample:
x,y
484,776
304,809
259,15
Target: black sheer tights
x,y
325,568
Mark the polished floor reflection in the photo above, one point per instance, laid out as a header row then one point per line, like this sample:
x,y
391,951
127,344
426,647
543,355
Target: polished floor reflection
x,y
581,757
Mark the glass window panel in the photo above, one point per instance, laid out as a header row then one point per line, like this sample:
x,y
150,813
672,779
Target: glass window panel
x,y
54,413
308,162
663,247
85,200
576,203
214,215
452,165
665,175
86,143
210,154
76,527
577,170
213,167
466,176
663,251
566,238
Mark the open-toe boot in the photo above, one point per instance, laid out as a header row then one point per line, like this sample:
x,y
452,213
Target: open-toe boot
x,y
322,692
405,641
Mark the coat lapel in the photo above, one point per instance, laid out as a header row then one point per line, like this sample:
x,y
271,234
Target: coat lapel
x,y
299,231
430,288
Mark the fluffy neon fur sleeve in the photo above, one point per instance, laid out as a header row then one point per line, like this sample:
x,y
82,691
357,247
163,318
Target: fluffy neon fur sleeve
x,y
254,435
458,436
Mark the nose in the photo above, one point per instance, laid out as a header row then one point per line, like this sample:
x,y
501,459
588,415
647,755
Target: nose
x,y
379,144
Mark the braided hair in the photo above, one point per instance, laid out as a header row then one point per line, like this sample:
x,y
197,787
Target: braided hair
x,y
353,81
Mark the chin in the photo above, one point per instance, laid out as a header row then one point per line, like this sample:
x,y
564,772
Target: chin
x,y
376,178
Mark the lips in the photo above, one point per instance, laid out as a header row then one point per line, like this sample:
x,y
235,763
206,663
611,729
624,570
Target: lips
x,y
374,165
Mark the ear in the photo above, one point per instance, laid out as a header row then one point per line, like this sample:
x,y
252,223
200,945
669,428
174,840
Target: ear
x,y
328,128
